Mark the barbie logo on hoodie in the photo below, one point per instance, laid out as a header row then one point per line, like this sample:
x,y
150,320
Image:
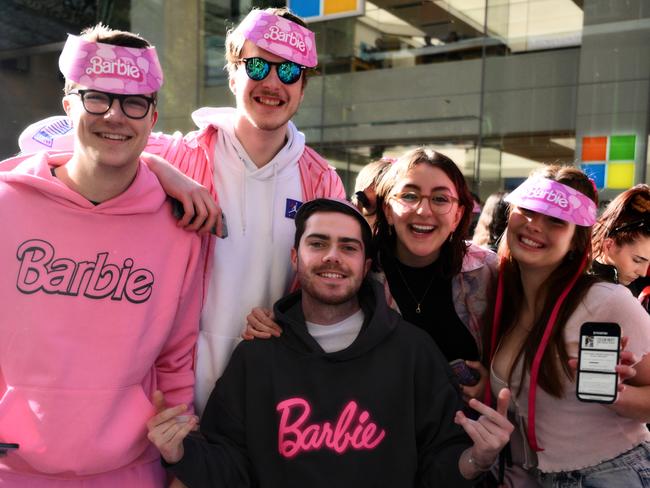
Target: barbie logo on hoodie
x,y
39,271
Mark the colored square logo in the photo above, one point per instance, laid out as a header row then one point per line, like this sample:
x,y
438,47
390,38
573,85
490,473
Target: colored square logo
x,y
306,8
596,172
620,176
594,148
337,6
621,148
291,208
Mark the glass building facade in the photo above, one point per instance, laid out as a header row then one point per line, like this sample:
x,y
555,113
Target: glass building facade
x,y
501,86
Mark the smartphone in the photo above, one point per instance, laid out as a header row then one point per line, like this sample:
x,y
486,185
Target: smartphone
x,y
178,211
466,376
597,380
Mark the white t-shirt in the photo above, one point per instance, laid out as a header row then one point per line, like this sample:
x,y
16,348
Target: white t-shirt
x,y
336,337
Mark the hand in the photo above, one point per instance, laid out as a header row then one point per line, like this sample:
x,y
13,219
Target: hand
x,y
260,324
200,212
625,369
491,432
168,428
477,390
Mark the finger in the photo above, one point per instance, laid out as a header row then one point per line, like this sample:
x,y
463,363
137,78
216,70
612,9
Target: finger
x,y
261,323
214,214
471,427
158,401
624,342
478,366
200,214
165,415
628,358
188,211
254,333
503,402
573,364
246,336
625,372
183,431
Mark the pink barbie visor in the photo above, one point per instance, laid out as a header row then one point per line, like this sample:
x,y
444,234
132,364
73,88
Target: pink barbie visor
x,y
554,199
109,68
280,36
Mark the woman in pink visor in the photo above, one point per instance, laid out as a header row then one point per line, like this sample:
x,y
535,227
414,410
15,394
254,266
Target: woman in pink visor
x,y
544,296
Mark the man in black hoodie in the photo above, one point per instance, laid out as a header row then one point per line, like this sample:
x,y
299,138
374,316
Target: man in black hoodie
x,y
349,395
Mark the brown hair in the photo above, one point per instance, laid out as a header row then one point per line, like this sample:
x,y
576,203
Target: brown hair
x,y
451,253
624,220
235,40
106,35
555,358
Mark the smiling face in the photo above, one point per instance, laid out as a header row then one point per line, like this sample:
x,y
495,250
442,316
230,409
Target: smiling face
x,y
630,259
110,140
330,260
267,104
420,231
538,241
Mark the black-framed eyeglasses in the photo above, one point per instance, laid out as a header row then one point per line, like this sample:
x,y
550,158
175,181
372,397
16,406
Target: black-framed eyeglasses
x,y
259,68
440,203
98,103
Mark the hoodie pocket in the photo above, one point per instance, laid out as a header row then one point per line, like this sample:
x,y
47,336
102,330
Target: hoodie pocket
x,y
75,432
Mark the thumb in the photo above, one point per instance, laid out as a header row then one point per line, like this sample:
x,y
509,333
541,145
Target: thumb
x,y
158,401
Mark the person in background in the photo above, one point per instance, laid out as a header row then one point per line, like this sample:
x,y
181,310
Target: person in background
x,y
492,222
621,240
365,196
544,296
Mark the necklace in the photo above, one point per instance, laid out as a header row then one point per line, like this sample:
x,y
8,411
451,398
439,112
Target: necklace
x,y
418,303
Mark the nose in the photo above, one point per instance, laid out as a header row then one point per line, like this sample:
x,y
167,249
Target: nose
x,y
534,221
424,207
114,111
332,255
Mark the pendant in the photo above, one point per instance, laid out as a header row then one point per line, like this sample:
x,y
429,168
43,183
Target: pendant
x,y
417,309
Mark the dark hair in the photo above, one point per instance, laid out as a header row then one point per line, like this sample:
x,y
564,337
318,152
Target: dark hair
x,y
492,221
555,358
451,253
326,205
624,220
106,35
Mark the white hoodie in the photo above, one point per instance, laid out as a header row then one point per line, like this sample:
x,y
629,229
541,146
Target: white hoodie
x,y
252,267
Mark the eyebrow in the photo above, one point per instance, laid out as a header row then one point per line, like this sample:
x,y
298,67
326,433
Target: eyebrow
x,y
641,257
325,237
437,188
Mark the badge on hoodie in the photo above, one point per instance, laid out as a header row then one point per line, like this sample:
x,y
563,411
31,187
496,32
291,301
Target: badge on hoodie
x,y
291,208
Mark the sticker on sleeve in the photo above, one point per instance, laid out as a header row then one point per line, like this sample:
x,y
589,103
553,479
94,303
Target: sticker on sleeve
x,y
291,208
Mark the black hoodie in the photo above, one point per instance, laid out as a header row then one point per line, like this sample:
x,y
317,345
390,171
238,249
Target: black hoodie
x,y
376,414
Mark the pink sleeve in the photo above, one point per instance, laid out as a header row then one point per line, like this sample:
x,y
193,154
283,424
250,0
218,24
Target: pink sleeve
x,y
192,153
318,178
175,364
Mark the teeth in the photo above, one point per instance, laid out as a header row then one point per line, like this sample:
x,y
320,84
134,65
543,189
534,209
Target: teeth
x,y
114,137
422,228
274,102
530,242
331,275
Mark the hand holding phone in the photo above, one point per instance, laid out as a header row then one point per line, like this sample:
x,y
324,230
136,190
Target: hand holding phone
x,y
597,379
466,376
178,211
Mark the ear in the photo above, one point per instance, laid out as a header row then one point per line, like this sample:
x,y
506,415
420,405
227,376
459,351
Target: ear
x,y
366,267
294,259
459,215
231,82
388,212
154,118
608,243
65,102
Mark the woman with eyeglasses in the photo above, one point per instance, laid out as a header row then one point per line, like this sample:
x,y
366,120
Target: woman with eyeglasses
x,y
436,279
544,296
621,240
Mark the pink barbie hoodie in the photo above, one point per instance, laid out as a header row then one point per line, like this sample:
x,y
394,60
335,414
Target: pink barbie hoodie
x,y
101,307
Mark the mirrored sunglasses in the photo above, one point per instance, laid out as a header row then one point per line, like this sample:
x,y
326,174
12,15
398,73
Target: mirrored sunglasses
x,y
259,68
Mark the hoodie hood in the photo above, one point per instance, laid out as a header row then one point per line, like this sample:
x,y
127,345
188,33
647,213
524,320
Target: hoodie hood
x,y
144,195
379,323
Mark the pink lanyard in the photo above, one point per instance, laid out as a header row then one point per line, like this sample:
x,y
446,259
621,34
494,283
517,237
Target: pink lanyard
x,y
537,360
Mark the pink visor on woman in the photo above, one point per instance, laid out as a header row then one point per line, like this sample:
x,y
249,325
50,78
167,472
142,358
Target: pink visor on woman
x,y
109,68
554,199
280,36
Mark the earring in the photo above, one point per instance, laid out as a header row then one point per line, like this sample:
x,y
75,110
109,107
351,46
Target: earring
x,y
451,237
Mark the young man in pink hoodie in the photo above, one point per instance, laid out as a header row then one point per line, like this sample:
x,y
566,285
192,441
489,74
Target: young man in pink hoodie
x,y
100,290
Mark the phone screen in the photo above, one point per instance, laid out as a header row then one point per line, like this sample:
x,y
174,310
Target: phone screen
x,y
599,350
